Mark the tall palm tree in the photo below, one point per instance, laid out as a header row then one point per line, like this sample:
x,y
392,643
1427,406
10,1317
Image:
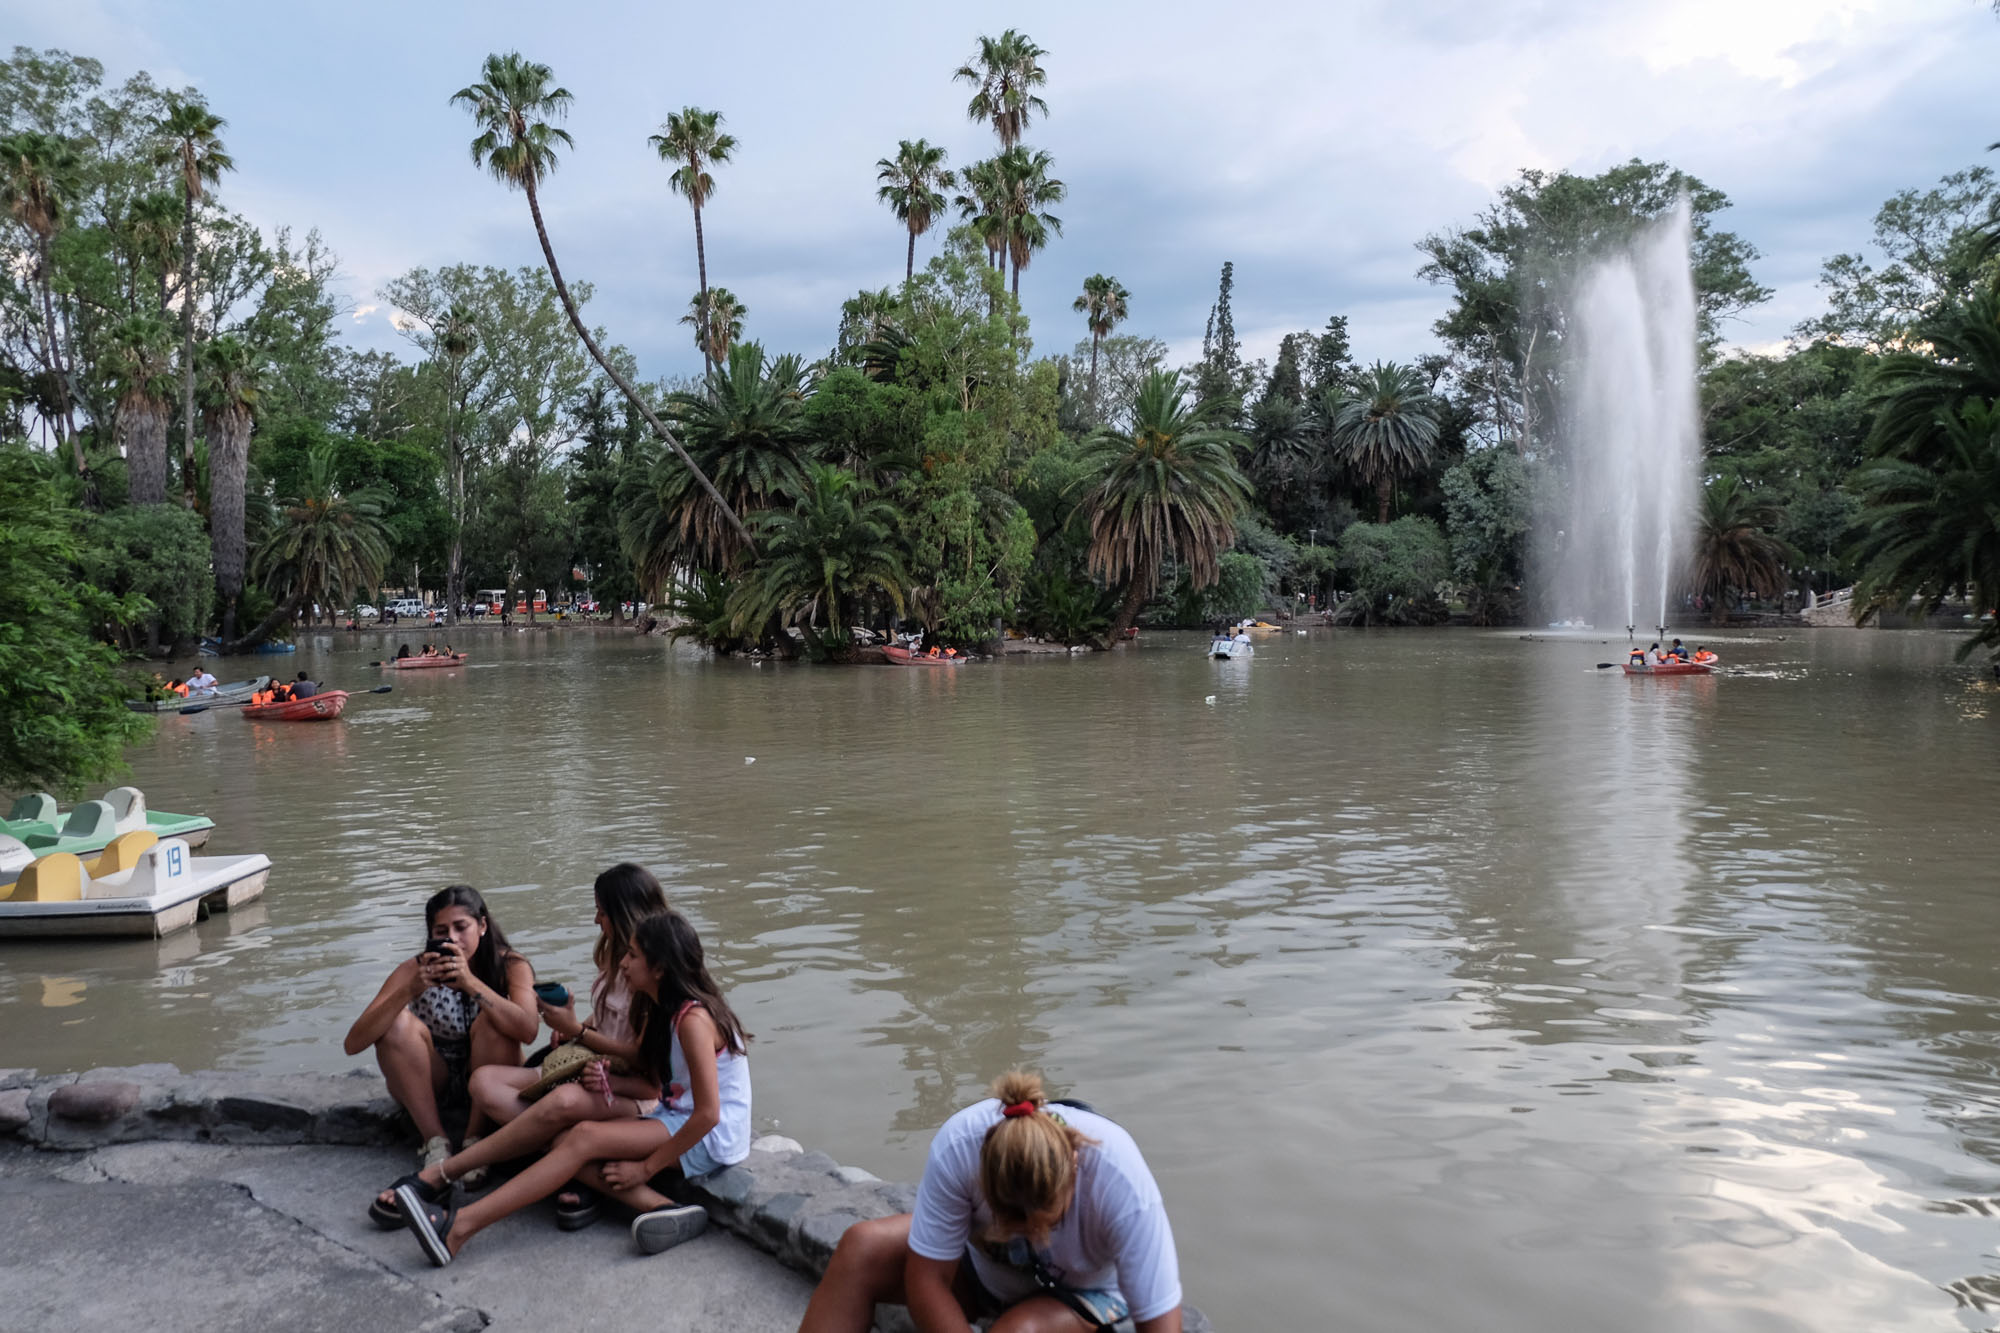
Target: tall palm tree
x,y
1027,191
1169,486
717,329
1732,550
328,545
191,143
1004,73
982,203
458,338
37,172
833,546
1103,307
141,356
912,184
748,431
230,383
514,106
693,141
1387,429
154,224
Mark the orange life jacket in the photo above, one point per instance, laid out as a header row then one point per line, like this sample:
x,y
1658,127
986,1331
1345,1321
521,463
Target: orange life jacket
x,y
181,690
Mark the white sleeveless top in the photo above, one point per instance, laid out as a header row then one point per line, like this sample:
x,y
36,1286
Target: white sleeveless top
x,y
729,1142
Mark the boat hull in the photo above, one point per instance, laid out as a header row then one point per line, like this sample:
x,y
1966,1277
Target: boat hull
x,y
227,883
1669,669
1228,650
422,663
320,708
904,657
230,693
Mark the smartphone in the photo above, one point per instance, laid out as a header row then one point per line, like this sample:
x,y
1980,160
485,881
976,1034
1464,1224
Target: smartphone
x,y
436,945
552,993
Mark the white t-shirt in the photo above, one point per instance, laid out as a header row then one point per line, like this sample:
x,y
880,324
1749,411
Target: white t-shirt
x,y
1115,1236
201,681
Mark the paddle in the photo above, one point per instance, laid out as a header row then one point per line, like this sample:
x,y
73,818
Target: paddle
x,y
239,703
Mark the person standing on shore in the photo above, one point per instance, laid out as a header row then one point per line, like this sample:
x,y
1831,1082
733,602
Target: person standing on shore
x,y
467,1000
1043,1214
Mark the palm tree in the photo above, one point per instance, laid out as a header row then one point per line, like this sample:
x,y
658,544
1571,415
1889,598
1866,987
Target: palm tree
x,y
36,173
141,355
231,375
1027,190
832,547
1169,486
328,545
154,224
1004,72
1103,306
1732,550
912,184
457,338
190,142
692,140
513,106
1388,429
717,331
982,203
748,431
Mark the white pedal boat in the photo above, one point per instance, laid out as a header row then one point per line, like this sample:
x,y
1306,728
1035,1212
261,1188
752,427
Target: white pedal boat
x,y
140,885
1226,648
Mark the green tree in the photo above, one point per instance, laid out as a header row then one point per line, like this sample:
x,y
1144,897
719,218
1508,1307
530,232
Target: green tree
x,y
1395,571
1005,72
912,184
599,472
1168,486
1387,430
717,320
1104,306
1026,193
63,719
191,144
328,545
1489,508
693,141
141,357
1930,245
515,108
820,559
37,172
1733,550
153,557
231,378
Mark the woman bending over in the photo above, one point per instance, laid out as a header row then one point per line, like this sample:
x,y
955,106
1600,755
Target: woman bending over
x,y
466,1001
692,1044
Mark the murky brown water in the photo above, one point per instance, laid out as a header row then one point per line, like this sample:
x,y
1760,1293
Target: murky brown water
x,y
1447,983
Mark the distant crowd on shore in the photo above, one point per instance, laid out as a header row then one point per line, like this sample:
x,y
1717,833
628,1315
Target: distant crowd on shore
x,y
1038,1212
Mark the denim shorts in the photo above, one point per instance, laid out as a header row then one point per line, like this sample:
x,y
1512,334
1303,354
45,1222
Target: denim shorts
x,y
1097,1307
695,1161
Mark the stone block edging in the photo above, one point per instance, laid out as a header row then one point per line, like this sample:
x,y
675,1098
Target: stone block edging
x,y
791,1203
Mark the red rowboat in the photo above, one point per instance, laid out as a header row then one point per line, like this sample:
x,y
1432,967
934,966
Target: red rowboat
x,y
434,660
1669,669
320,708
904,657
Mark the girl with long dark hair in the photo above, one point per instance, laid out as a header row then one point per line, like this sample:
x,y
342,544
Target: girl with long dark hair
x,y
466,1001
691,1042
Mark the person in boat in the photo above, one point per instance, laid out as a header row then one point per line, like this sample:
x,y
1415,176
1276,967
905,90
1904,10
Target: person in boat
x,y
201,682
466,1001
304,687
1702,656
1052,1209
691,1044
447,652
625,895
178,687
402,652
429,651
1678,652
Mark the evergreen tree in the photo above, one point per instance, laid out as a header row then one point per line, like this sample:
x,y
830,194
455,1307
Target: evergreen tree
x,y
1219,378
1332,357
597,470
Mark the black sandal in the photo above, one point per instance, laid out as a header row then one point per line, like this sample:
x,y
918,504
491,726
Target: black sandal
x,y
589,1206
430,1219
386,1216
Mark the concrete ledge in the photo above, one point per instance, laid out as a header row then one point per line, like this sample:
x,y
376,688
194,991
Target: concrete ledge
x,y
793,1204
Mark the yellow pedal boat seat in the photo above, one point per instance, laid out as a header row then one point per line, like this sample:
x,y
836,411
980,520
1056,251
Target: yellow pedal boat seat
x,y
55,878
122,853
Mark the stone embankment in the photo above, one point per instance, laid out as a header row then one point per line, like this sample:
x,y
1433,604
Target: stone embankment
x,y
199,1141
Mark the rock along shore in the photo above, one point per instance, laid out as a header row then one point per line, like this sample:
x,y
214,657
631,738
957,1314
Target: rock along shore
x,y
788,1203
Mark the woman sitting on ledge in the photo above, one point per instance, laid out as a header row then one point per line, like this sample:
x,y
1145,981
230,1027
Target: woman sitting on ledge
x,y
467,1000
691,1044
1046,1216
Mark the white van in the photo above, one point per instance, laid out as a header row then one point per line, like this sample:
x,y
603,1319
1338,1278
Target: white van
x,y
408,606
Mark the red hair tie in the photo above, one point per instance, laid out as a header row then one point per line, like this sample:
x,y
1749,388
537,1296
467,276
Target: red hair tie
x,y
1018,1108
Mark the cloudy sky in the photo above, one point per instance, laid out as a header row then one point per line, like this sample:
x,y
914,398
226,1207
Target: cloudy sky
x,y
1312,144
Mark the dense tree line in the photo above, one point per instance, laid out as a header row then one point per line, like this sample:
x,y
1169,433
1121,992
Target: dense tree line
x,y
220,463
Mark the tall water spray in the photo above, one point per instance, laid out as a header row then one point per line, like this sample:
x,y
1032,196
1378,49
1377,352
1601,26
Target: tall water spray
x,y
1630,404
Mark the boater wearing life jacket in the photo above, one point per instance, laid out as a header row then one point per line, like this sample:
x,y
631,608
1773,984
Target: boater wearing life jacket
x,y
1637,656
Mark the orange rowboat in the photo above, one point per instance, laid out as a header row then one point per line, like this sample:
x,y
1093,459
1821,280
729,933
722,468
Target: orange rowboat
x,y
1669,668
904,657
434,660
322,707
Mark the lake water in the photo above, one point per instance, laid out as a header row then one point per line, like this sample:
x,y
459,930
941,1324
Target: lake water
x,y
1447,982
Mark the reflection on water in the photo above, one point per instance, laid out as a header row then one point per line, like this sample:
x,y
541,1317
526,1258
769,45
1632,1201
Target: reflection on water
x,y
1439,974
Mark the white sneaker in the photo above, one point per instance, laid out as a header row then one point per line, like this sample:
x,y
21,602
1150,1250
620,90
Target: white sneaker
x,y
664,1228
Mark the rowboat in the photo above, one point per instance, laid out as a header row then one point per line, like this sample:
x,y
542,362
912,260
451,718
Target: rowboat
x,y
139,885
1670,668
1224,648
222,694
430,660
322,707
904,657
35,821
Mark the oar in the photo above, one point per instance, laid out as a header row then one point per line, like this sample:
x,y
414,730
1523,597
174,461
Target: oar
x,y
240,703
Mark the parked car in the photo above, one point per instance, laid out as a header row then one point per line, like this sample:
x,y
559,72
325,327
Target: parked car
x,y
409,606
365,612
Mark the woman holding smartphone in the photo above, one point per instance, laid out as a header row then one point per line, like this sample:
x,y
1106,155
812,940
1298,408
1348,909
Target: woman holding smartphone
x,y
467,1000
